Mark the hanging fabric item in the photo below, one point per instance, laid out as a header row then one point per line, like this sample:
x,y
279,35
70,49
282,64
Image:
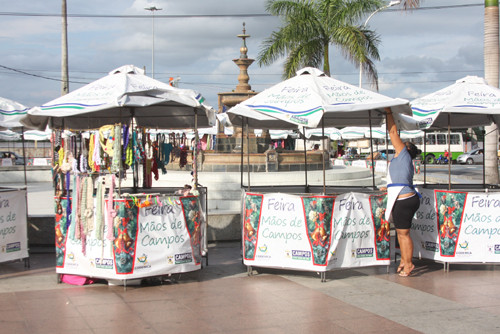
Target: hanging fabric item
x,y
84,154
75,204
106,138
99,214
126,140
117,155
68,200
110,211
89,214
83,219
97,153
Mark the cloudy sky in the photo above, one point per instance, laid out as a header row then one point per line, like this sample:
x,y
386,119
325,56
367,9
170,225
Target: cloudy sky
x,y
421,51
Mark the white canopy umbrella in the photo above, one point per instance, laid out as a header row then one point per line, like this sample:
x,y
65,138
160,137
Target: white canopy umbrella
x,y
11,113
354,132
470,100
9,135
124,94
332,133
311,98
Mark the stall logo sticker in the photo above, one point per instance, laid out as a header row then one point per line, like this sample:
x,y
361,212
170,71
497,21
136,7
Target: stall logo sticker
x,y
170,259
102,263
301,255
142,262
430,246
263,252
495,249
183,258
364,252
13,247
464,248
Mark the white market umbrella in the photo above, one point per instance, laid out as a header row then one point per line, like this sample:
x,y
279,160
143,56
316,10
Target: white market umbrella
x,y
124,94
354,132
11,113
311,98
332,133
9,135
470,102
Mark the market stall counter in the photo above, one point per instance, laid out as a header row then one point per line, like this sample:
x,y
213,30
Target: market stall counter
x,y
130,236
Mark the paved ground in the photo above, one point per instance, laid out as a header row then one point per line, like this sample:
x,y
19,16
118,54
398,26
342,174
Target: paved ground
x,y
222,298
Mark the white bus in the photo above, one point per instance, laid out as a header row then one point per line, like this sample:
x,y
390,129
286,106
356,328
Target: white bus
x,y
437,142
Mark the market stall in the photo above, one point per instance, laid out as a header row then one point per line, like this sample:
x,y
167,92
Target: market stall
x,y
13,201
105,230
331,231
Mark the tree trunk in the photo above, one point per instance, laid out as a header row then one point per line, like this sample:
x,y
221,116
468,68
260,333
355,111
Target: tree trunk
x,y
491,67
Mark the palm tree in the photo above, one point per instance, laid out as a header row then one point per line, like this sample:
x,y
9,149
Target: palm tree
x,y
409,4
491,66
310,26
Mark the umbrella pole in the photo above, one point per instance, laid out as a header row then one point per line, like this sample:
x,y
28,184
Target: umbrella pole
x,y
195,149
305,158
484,154
134,164
241,144
425,149
371,148
449,153
323,153
248,153
24,157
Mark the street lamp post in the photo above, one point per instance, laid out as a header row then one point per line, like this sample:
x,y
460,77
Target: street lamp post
x,y
153,9
392,3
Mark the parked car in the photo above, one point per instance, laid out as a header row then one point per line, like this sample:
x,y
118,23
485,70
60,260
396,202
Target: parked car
x,y
472,157
18,160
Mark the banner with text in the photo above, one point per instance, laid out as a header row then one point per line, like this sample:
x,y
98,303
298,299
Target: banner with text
x,y
158,239
315,233
13,225
453,226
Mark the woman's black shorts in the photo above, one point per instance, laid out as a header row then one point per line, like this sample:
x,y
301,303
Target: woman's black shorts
x,y
403,211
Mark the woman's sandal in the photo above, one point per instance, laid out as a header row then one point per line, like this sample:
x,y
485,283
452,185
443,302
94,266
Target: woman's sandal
x,y
400,268
403,273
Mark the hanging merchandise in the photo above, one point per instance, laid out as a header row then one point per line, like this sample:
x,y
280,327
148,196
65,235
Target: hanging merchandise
x,y
116,153
99,214
183,152
110,210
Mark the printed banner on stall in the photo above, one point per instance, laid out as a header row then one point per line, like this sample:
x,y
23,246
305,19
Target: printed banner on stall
x,y
153,240
13,225
453,226
314,232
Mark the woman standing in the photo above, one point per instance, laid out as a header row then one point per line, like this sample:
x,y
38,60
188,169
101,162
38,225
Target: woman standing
x,y
402,198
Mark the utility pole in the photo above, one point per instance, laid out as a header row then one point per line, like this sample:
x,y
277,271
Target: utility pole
x,y
152,9
64,50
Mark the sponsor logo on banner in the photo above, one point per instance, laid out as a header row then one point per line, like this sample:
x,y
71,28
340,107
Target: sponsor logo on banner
x,y
299,120
301,255
102,263
364,252
497,249
72,261
170,259
430,246
464,248
142,262
183,258
13,247
263,252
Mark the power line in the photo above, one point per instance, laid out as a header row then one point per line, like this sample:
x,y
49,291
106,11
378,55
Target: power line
x,y
183,16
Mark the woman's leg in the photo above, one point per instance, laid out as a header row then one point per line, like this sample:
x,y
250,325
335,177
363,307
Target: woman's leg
x,y
406,247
